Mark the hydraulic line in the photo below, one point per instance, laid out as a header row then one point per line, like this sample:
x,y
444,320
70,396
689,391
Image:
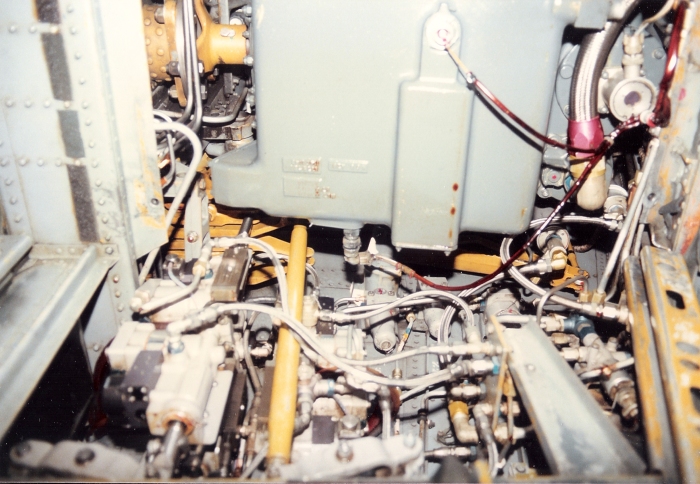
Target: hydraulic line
x,y
551,292
184,187
476,84
312,343
283,401
662,110
598,153
658,15
591,59
632,216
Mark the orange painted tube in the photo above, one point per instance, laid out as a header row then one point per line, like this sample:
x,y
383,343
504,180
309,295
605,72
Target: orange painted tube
x,y
283,400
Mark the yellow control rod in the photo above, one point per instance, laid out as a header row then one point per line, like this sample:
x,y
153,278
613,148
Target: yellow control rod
x,y
283,401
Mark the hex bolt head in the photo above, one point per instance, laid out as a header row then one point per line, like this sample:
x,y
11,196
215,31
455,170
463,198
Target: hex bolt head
x,y
83,456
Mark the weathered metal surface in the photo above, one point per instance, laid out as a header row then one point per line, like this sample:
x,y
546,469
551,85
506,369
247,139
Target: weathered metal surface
x,y
75,100
338,161
37,311
576,437
674,194
675,314
659,442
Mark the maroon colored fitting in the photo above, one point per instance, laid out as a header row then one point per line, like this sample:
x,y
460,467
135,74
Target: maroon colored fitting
x,y
585,135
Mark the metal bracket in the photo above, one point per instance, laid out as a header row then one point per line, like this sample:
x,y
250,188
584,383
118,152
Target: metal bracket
x,y
675,318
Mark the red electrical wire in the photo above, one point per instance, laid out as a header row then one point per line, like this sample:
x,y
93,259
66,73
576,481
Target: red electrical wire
x,y
600,152
574,188
662,110
483,90
472,81
659,117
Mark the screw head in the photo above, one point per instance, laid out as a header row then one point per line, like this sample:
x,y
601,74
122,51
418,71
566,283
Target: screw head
x,y
192,237
83,456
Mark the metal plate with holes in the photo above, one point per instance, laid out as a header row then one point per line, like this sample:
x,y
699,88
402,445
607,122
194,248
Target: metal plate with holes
x,y
576,437
675,314
651,393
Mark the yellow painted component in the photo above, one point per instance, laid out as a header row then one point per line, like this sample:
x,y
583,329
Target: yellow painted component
x,y
284,381
572,270
482,263
675,313
650,391
219,44
158,47
457,406
486,264
481,468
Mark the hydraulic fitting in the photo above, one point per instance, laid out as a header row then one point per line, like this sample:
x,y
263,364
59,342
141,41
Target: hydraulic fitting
x,y
554,245
459,414
351,246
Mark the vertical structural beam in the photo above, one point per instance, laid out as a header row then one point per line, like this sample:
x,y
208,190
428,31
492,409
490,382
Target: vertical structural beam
x,y
675,318
646,363
284,382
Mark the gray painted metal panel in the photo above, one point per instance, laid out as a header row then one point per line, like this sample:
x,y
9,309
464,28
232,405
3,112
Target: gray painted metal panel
x,y
101,80
331,95
576,437
118,32
37,311
12,249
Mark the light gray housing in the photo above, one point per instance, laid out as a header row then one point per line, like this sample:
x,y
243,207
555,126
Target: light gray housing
x,y
360,121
